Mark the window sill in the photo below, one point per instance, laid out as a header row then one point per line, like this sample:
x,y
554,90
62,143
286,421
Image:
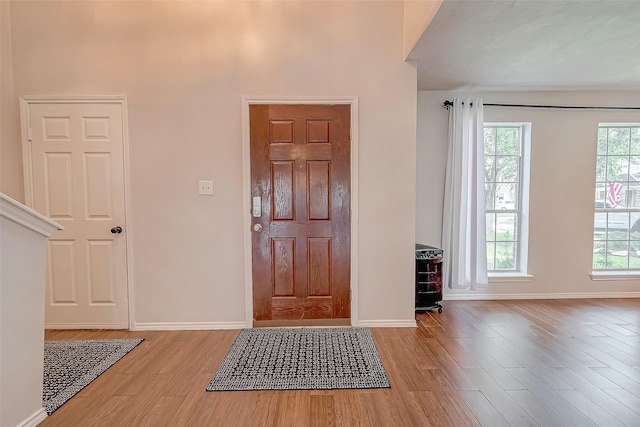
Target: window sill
x,y
615,275
509,277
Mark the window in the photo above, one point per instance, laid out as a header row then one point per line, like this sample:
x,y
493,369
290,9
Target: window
x,y
506,164
616,225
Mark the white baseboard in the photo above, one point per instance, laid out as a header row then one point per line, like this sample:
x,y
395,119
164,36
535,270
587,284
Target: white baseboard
x,y
35,419
387,323
574,295
187,326
86,326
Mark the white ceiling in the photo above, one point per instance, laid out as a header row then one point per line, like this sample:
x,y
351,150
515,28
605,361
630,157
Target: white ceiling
x,y
531,45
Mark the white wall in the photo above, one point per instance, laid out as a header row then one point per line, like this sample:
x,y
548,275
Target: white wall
x,y
23,259
184,67
10,151
23,254
417,17
563,158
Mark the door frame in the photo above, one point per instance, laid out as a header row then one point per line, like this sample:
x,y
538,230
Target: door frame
x,y
27,162
246,191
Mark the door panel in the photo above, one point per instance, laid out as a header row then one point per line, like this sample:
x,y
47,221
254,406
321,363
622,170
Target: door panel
x,y
100,263
57,180
62,283
77,167
282,256
300,160
283,196
319,262
97,179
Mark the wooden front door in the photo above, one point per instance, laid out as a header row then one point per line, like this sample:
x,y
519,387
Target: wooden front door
x,y
300,179
77,171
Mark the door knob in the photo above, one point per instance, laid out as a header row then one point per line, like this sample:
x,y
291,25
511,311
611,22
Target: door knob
x,y
116,230
257,227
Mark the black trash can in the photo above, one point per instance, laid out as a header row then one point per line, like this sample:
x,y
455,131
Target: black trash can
x,y
428,278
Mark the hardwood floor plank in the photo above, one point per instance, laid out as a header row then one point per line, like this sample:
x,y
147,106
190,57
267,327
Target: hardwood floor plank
x,y
556,332
413,358
458,353
169,385
496,353
621,380
490,363
614,331
605,317
428,411
449,367
500,400
629,346
349,410
550,398
322,411
196,401
452,403
381,410
626,398
485,412
160,415
300,412
587,374
631,327
526,353
537,410
499,374
569,355
264,410
600,398
592,411
602,350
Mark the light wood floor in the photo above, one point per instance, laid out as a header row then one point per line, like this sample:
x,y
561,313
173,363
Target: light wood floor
x,y
547,363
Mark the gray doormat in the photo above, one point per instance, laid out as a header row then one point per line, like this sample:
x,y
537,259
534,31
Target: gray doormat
x,y
301,359
69,366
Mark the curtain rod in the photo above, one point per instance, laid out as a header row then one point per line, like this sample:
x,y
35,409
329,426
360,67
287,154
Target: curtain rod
x,y
446,104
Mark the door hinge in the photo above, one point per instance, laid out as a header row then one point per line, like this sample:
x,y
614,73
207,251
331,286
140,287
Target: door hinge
x,y
29,134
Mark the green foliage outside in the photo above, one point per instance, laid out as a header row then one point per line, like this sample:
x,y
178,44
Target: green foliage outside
x,y
501,166
501,254
621,251
501,161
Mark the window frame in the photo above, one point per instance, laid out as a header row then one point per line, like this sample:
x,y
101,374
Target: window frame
x,y
522,204
605,272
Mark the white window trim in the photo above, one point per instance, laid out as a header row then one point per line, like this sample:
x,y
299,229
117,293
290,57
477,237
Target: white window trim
x,y
598,275
509,277
521,274
605,274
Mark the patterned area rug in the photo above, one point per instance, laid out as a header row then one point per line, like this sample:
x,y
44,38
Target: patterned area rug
x,y
301,359
69,366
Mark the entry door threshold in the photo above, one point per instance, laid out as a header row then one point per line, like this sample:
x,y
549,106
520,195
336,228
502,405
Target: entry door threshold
x,y
326,323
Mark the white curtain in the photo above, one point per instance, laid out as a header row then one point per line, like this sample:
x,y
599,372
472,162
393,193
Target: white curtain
x,y
463,229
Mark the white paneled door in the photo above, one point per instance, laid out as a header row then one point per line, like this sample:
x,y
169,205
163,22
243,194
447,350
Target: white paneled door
x,y
76,177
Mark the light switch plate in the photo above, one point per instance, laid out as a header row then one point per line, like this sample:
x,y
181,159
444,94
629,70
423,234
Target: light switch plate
x,y
205,188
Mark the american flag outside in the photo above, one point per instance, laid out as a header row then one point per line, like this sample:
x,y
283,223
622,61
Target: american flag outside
x,y
613,197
